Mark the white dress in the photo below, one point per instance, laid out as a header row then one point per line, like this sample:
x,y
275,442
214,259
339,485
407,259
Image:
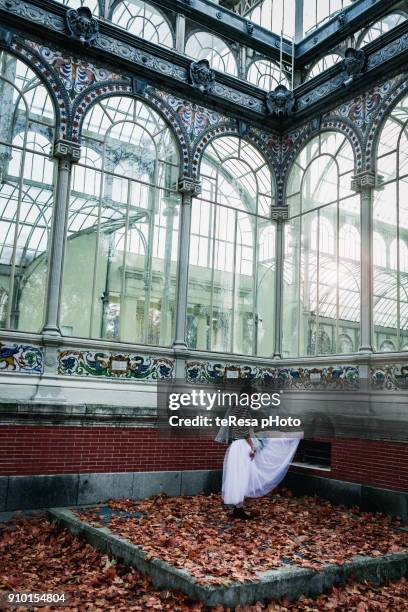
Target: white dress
x,y
243,477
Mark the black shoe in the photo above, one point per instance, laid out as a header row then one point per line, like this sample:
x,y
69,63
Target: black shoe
x,y
239,513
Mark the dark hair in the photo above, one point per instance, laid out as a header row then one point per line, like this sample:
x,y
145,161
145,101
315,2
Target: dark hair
x,y
247,388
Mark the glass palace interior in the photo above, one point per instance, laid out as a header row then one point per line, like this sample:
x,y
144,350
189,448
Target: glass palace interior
x,y
122,246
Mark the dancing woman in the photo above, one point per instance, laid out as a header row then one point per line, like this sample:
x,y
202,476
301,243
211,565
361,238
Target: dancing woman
x,y
253,466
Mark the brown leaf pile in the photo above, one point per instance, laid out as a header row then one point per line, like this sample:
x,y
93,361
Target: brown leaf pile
x,y
36,556
197,534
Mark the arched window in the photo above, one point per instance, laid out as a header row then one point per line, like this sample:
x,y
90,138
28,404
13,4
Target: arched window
x,y
385,24
26,193
345,344
122,227
391,221
266,75
232,258
143,20
322,254
204,45
387,346
323,64
93,5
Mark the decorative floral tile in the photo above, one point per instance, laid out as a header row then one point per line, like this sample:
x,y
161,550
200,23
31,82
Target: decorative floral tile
x,y
21,358
114,365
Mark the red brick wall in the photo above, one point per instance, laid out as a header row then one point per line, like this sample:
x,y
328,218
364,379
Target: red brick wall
x,y
383,464
28,450
370,462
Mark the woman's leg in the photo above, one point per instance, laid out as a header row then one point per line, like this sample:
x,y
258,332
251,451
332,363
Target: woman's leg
x,y
236,475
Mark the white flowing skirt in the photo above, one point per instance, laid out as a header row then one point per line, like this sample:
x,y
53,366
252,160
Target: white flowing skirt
x,y
245,478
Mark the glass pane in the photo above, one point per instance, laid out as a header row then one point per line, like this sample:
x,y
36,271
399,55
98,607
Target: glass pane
x,y
226,312
265,290
123,228
320,276
266,75
316,12
291,313
204,45
145,21
309,285
320,183
324,64
382,26
26,194
275,15
93,5
386,311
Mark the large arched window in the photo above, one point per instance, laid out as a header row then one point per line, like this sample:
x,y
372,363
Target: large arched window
x,y
26,194
143,20
391,224
266,74
204,45
122,227
322,253
232,269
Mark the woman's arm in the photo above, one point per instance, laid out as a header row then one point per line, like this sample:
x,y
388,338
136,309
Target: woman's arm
x,y
251,444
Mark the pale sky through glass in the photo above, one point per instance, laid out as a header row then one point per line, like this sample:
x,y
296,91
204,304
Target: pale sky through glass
x,y
279,15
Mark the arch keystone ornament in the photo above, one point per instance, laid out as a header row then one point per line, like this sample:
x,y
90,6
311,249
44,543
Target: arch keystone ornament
x,y
82,25
280,102
65,149
367,180
279,214
202,76
354,64
189,186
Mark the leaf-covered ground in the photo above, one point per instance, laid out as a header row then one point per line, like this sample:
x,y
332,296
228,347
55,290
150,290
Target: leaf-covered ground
x,y
36,556
198,534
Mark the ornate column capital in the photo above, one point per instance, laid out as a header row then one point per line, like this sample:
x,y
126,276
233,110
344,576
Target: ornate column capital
x,y
67,151
280,214
189,186
366,180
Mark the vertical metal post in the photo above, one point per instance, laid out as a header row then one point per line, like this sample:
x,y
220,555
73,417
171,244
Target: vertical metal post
x,y
180,33
298,20
279,215
365,183
189,188
67,154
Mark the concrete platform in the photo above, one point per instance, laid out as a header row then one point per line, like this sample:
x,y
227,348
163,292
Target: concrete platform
x,y
288,581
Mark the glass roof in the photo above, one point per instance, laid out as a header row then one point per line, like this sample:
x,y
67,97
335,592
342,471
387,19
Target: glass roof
x,y
275,15
75,4
280,15
316,12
